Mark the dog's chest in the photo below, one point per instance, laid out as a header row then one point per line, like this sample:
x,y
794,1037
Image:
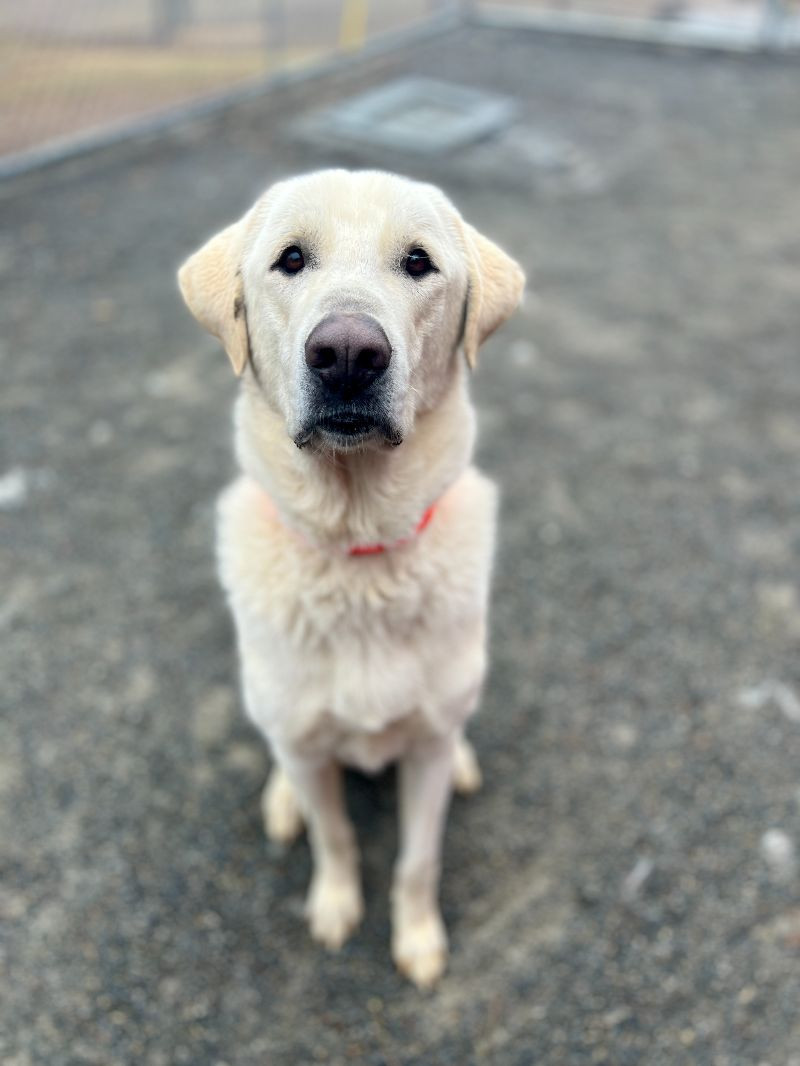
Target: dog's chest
x,y
357,655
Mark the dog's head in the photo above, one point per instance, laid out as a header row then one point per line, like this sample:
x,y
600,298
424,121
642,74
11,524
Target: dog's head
x,y
348,295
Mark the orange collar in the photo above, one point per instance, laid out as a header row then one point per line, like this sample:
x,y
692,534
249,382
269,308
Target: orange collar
x,y
379,549
361,549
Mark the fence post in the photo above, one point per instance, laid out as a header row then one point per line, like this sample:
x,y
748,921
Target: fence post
x,y
276,41
353,25
772,23
168,17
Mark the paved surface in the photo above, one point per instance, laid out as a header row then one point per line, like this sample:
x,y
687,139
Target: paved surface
x,y
623,890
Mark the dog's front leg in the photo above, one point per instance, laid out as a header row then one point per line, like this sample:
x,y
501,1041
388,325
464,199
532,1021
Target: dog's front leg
x,y
419,940
335,905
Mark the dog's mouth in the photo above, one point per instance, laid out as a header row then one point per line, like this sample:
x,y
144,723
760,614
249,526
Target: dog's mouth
x,y
345,429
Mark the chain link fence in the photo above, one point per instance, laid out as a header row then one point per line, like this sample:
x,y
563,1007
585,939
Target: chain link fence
x,y
66,69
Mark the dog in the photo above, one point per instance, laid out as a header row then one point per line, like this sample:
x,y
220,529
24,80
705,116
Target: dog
x,y
356,547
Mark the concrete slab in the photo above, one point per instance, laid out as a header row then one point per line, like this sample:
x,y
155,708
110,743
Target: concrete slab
x,y
421,116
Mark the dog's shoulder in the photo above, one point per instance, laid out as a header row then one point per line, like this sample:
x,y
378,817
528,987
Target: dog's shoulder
x,y
251,539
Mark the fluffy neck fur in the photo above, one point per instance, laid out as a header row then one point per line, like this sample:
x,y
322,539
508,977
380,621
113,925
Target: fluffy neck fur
x,y
366,497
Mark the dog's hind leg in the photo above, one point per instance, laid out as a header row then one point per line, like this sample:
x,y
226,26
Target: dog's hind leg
x,y
283,820
466,771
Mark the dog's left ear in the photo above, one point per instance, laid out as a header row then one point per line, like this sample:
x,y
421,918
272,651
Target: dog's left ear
x,y
211,284
496,284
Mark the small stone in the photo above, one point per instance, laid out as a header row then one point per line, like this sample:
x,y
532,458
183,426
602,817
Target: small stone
x,y
103,310
170,989
779,603
771,691
213,717
623,736
142,685
246,759
634,882
787,701
778,852
764,545
613,1018
14,488
13,906
100,434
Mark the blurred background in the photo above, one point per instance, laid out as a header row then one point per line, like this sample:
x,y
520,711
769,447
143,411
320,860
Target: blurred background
x,y
68,68
624,889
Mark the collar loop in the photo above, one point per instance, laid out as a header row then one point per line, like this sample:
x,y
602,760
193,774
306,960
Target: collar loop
x,y
379,549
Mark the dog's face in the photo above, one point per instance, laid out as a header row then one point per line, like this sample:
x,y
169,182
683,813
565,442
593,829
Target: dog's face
x,y
348,295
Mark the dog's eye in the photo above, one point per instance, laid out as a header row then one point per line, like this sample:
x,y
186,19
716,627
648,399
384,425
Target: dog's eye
x,y
290,261
418,263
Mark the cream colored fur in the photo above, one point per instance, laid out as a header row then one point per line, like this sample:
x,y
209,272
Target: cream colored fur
x,y
358,660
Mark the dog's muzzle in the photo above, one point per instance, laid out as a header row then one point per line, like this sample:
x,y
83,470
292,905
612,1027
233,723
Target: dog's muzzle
x,y
347,354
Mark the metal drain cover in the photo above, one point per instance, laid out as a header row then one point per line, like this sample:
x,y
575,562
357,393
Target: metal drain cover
x,y
421,115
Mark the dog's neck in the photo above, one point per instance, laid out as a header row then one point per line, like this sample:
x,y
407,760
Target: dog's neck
x,y
360,497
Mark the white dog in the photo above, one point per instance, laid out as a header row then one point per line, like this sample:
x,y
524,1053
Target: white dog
x,y
356,546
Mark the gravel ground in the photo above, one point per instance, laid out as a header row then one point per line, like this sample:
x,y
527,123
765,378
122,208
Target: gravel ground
x,y
624,890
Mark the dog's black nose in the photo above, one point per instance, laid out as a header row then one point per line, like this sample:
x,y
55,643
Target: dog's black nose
x,y
347,352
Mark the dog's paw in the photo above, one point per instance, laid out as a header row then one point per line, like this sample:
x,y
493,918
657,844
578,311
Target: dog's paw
x,y
334,908
419,949
466,772
283,821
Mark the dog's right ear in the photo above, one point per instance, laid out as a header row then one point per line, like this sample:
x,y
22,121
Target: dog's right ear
x,y
211,284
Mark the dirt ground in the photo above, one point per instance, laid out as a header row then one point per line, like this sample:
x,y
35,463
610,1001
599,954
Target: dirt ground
x,y
625,888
